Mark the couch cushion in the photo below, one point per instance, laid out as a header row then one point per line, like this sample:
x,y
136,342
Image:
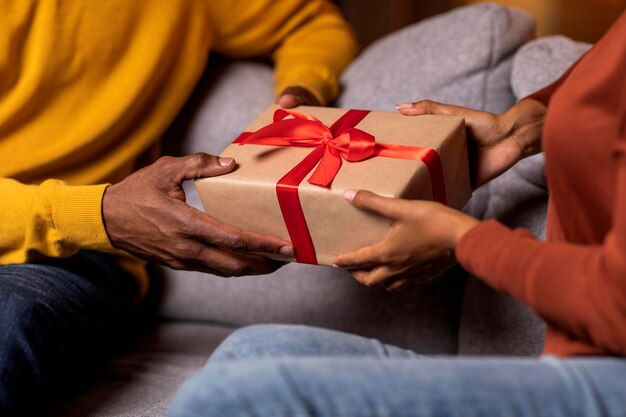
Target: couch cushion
x,y
542,61
142,382
462,57
422,318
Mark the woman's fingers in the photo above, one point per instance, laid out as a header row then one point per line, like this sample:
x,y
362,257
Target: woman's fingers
x,y
376,276
394,278
430,107
473,118
362,258
367,200
397,285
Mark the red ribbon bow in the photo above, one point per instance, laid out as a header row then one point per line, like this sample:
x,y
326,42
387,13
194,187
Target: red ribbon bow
x,y
332,144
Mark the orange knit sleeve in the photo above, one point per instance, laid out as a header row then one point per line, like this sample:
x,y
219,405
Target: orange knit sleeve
x,y
579,289
308,40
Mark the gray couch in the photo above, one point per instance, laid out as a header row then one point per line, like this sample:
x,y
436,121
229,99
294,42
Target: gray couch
x,y
480,56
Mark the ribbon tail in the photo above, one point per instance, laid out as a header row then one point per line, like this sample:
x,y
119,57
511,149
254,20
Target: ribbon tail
x,y
291,209
327,169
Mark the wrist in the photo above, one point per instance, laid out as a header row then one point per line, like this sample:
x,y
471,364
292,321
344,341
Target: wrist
x,y
459,224
523,123
107,213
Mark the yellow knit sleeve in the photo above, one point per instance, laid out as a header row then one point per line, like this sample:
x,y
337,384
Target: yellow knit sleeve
x,y
308,40
52,219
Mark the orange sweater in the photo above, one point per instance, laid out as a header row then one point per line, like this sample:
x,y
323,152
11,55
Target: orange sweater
x,y
576,280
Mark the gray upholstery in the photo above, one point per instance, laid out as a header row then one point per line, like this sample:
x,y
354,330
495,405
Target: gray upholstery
x,y
422,318
443,58
462,57
542,61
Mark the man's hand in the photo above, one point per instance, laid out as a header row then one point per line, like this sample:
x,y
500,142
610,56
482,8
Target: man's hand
x,y
496,142
297,96
419,247
146,215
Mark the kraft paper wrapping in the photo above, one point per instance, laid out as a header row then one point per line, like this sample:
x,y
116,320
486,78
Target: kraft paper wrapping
x,y
246,198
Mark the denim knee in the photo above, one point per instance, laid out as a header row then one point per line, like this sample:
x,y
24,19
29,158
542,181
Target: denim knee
x,y
258,387
58,320
33,304
282,340
261,340
22,299
208,394
18,312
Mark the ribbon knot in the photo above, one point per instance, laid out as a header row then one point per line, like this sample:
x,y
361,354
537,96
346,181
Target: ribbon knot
x,y
332,144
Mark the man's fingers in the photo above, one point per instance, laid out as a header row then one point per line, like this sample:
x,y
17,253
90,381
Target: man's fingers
x,y
227,264
257,242
297,95
366,200
194,166
211,231
289,101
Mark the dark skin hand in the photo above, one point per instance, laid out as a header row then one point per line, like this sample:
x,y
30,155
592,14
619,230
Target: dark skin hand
x,y
146,216
297,96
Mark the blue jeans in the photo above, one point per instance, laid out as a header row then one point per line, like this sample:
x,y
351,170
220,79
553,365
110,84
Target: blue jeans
x,y
297,371
58,320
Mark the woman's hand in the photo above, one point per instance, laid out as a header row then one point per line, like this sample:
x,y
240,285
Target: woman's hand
x,y
496,142
420,245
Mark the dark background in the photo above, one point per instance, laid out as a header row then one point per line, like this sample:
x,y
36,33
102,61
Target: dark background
x,y
584,20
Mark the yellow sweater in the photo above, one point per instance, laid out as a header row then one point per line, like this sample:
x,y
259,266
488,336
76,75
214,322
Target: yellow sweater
x,y
87,87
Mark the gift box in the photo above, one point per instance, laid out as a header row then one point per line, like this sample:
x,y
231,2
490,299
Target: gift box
x,y
294,166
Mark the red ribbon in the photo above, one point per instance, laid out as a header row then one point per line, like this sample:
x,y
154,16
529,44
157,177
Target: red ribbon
x,y
332,144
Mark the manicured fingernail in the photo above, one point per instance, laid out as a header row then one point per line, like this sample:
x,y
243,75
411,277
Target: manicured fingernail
x,y
404,106
225,161
349,195
336,266
286,251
